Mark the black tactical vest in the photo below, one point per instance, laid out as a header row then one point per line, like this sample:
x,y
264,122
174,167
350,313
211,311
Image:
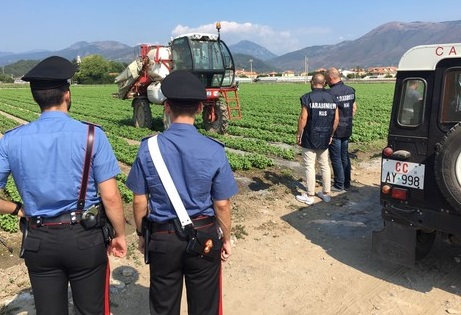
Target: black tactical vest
x,y
321,108
345,98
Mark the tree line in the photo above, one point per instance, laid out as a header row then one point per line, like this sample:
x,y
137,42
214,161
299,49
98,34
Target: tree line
x,y
92,69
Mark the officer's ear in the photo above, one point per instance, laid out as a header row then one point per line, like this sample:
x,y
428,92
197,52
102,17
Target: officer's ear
x,y
67,95
67,99
199,108
167,107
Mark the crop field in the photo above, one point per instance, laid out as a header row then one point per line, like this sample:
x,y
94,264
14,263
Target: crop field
x,y
266,132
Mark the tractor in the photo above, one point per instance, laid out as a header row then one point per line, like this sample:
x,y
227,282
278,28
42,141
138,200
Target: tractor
x,y
206,56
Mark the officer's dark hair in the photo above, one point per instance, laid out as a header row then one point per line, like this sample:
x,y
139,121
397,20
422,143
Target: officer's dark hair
x,y
182,109
50,97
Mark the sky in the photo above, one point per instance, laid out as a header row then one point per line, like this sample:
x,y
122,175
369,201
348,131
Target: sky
x,y
279,26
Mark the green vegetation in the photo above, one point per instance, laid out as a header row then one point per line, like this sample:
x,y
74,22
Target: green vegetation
x,y
19,68
267,130
94,69
4,78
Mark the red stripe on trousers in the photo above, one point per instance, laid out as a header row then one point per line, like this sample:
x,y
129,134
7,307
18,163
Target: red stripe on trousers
x,y
220,307
106,290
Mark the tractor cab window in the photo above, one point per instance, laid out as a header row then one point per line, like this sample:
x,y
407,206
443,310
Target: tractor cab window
x,y
206,55
412,102
208,62
229,66
451,97
182,58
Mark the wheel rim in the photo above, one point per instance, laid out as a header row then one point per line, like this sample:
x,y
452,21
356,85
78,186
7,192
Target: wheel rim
x,y
140,117
220,124
458,169
142,114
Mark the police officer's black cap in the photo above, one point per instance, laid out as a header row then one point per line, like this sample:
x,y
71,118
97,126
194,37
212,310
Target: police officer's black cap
x,y
183,88
50,73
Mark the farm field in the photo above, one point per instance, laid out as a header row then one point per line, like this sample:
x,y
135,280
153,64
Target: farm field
x,y
269,117
265,134
288,258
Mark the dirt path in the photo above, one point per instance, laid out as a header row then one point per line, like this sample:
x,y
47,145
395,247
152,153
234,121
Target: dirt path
x,y
291,259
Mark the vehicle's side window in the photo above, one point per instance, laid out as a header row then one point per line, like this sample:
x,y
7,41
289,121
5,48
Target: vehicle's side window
x,y
451,98
412,102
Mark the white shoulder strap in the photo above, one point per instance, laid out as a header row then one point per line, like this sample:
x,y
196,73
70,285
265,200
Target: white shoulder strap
x,y
167,181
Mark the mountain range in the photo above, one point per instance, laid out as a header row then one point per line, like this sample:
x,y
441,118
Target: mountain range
x,y
382,46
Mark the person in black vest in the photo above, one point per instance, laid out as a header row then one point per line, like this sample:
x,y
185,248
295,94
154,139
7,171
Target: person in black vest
x,y
316,125
339,147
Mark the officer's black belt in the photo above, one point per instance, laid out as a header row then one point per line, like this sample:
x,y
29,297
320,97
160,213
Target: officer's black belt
x,y
169,226
65,218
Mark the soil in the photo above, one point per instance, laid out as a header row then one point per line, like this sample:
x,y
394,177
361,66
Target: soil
x,y
289,258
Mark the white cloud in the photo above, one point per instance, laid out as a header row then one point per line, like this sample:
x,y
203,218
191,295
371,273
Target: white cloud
x,y
278,42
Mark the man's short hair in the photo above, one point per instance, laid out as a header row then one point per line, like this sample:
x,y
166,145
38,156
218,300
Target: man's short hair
x,y
179,109
49,97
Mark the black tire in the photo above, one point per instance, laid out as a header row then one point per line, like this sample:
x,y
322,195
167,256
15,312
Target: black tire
x,y
221,121
424,242
142,114
447,166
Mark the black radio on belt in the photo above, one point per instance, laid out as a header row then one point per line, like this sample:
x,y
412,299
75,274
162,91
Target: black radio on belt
x,y
90,218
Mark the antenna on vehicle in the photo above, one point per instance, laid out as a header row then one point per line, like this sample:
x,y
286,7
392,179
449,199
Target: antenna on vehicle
x,y
218,27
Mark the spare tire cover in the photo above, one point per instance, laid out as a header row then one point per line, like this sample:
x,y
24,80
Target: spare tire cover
x,y
447,166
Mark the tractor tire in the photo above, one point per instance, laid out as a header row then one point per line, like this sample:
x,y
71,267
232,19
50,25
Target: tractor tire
x,y
142,114
166,120
447,166
221,121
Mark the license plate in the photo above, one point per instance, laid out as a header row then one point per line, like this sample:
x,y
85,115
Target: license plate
x,y
403,173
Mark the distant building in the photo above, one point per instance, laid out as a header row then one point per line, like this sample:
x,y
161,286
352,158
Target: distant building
x,y
382,71
288,73
248,74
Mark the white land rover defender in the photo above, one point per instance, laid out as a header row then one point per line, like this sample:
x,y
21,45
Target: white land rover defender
x,y
421,164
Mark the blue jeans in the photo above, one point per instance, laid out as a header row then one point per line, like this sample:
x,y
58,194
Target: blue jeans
x,y
339,155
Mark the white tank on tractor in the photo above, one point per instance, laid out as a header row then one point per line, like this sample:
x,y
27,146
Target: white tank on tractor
x,y
206,56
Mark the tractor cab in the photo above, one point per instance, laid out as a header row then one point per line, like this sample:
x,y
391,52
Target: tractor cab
x,y
206,56
209,58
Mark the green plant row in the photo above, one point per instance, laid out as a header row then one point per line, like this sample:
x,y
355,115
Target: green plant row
x,y
7,124
248,161
263,134
21,113
251,145
8,222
